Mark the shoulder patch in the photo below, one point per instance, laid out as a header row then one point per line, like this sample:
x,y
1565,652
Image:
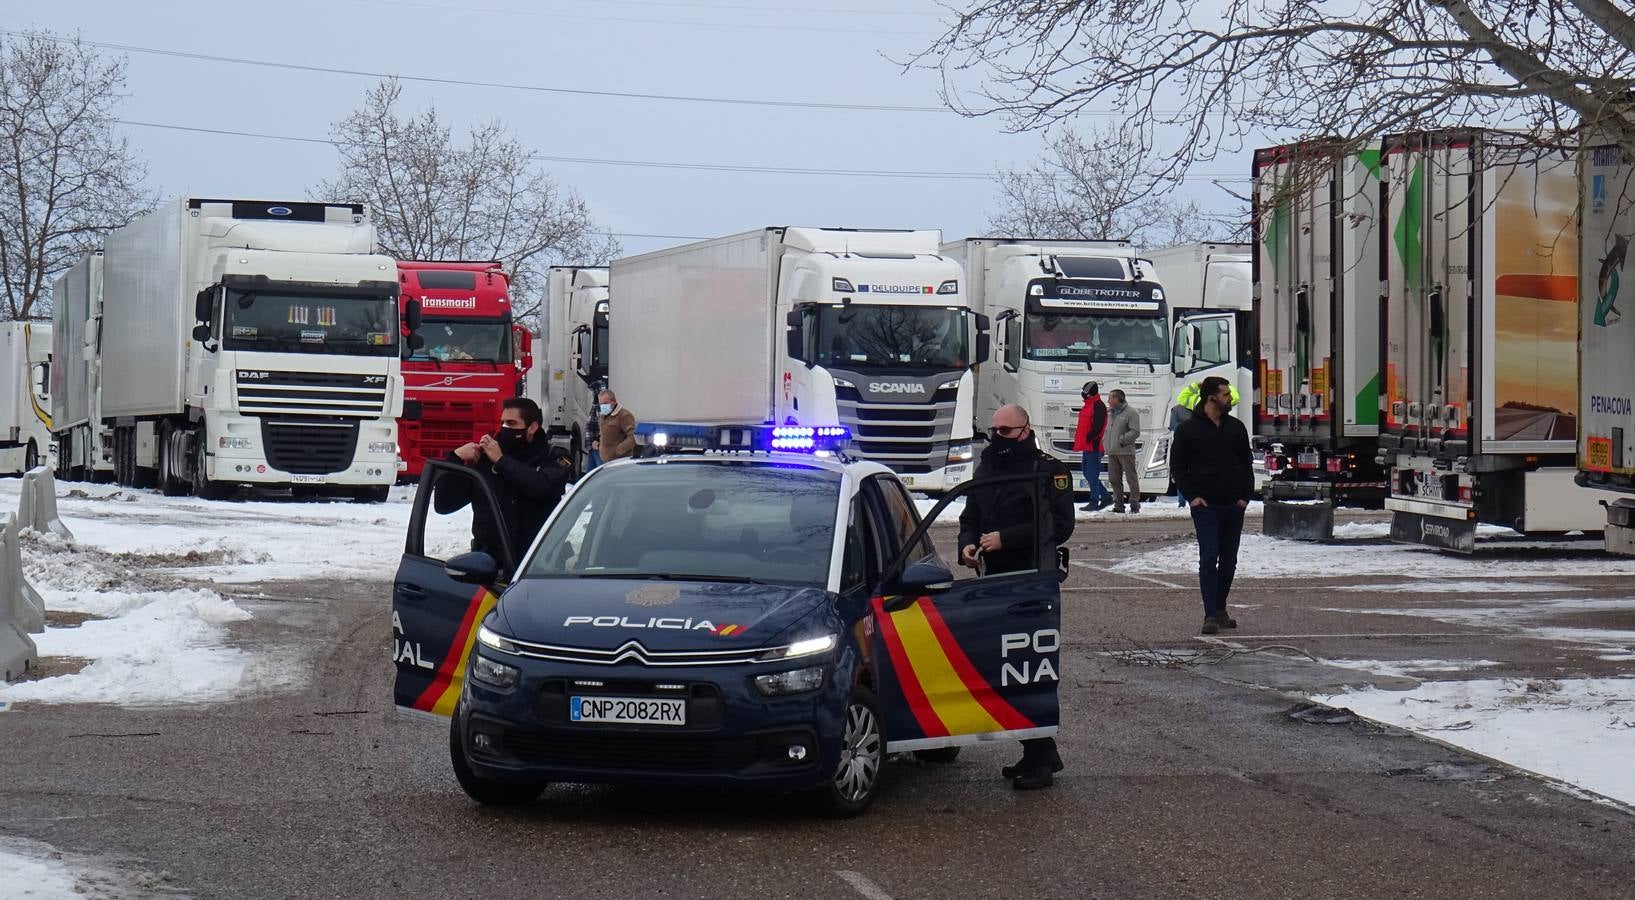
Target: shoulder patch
x,y
1063,482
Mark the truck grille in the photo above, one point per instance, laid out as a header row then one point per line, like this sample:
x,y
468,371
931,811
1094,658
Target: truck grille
x,y
263,393
308,447
908,438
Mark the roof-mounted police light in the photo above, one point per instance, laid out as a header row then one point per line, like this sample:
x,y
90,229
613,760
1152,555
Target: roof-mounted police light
x,y
671,438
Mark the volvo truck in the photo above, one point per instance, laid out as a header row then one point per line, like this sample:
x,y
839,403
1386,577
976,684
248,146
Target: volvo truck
x,y
576,336
1481,406
1606,329
865,329
25,399
1317,282
1068,312
251,344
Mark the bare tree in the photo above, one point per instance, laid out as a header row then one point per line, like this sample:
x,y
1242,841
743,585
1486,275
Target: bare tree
x,y
435,199
66,175
1204,78
1102,187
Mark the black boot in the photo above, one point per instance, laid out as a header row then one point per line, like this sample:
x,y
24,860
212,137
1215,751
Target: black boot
x,y
1051,763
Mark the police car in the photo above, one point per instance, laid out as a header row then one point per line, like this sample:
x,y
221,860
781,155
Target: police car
x,y
765,612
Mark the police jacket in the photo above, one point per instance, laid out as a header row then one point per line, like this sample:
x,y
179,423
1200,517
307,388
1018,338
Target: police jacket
x,y
1123,430
527,485
1008,508
1213,461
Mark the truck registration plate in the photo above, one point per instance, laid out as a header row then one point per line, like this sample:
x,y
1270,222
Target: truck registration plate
x,y
307,479
628,710
1307,460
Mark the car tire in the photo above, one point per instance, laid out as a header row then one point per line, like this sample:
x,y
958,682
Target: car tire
x,y
941,756
483,790
856,779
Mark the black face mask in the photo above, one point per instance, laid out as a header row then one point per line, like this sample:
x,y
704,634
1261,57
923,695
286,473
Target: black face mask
x,y
511,439
1004,446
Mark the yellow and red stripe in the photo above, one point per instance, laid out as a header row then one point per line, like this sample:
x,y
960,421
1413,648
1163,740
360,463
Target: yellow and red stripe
x,y
945,692
443,693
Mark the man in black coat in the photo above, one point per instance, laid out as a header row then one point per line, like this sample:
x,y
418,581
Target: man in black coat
x,y
1213,467
997,533
526,475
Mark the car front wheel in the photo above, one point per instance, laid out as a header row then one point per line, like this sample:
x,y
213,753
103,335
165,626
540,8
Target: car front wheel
x,y
856,778
485,790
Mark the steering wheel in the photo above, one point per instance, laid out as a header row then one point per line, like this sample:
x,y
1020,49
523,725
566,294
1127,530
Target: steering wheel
x,y
791,555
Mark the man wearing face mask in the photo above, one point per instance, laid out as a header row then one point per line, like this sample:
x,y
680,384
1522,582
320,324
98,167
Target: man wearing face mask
x,y
1214,469
526,474
997,535
617,437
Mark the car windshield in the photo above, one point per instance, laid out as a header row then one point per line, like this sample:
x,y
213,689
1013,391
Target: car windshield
x,y
699,520
1055,337
465,340
860,336
310,323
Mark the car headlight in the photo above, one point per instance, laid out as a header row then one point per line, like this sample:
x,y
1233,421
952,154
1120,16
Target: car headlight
x,y
807,647
494,674
383,446
235,443
792,682
960,453
493,641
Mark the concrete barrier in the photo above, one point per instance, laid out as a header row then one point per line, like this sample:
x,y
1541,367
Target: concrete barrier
x,y
37,508
19,614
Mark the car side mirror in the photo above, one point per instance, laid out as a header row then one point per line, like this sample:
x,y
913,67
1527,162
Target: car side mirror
x,y
473,568
925,576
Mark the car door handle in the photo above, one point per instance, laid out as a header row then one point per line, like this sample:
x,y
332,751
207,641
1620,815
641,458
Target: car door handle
x,y
411,592
1030,608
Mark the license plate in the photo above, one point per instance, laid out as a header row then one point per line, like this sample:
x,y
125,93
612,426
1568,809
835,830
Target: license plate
x,y
307,479
628,710
1307,460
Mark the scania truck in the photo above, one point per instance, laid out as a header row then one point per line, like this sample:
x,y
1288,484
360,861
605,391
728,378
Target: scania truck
x,y
1317,284
84,446
867,328
576,329
1481,332
1606,329
252,343
472,357
1067,312
25,402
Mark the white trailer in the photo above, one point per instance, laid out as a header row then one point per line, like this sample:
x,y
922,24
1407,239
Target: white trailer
x,y
1068,312
84,446
866,329
1606,328
576,340
250,343
25,400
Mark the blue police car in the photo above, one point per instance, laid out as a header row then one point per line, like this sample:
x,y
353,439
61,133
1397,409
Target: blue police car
x,y
761,617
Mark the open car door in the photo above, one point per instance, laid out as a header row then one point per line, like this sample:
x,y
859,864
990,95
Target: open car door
x,y
970,659
434,617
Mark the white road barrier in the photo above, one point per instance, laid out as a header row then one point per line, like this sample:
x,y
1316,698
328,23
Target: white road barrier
x,y
22,611
37,507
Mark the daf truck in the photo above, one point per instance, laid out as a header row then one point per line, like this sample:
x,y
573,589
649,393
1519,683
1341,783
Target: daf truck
x,y
252,344
25,400
576,333
865,329
1481,332
84,446
1606,329
1071,311
1317,285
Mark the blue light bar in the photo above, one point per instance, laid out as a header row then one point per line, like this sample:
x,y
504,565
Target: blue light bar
x,y
668,437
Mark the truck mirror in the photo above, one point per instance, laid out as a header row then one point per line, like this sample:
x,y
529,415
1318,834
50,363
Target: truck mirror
x,y
201,333
412,410
797,342
411,315
415,342
984,348
203,306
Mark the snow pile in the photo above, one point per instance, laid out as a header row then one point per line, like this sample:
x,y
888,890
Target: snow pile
x,y
1260,556
30,870
1579,731
1438,586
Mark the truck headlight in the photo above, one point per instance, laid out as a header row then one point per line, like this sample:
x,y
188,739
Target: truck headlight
x,y
1160,455
960,453
383,446
235,443
494,674
792,682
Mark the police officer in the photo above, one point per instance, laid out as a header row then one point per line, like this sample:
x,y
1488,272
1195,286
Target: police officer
x,y
526,474
997,535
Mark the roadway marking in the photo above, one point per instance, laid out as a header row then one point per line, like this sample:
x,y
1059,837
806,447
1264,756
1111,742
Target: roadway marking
x,y
1160,582
863,885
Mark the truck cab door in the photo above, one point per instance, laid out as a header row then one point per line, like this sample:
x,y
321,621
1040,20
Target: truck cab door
x,y
1206,345
435,617
962,659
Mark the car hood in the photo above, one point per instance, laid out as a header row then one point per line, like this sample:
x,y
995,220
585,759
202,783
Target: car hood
x,y
606,613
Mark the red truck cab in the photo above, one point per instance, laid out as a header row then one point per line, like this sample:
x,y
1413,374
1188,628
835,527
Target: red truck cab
x,y
471,357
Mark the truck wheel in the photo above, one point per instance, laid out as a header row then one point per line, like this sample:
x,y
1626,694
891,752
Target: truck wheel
x,y
856,779
31,457
372,494
203,487
483,790
169,484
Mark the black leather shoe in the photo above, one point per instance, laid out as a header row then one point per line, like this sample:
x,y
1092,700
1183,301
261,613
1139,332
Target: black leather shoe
x,y
1211,626
1025,765
1033,779
1226,621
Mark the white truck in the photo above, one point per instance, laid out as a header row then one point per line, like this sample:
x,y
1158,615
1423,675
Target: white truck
x,y
576,335
84,446
1067,312
828,327
1606,329
1207,282
250,343
1481,340
25,400
1318,284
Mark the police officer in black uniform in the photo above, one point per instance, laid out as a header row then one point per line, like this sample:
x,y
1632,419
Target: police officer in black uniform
x,y
997,534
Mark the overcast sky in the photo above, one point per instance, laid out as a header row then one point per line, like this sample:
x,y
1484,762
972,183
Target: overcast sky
x,y
824,51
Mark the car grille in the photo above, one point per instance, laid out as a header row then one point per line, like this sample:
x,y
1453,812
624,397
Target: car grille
x,y
315,393
633,651
624,750
309,447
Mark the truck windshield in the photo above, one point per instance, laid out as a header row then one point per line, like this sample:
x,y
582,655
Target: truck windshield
x,y
1055,337
696,520
859,336
288,322
465,340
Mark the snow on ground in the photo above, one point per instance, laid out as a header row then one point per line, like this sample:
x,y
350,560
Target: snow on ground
x,y
1438,586
1579,731
1410,668
1525,617
1158,508
30,870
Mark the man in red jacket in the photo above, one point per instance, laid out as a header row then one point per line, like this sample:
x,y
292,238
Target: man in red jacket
x,y
1087,439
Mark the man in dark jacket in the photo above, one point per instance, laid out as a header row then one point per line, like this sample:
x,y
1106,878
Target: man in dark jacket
x,y
525,473
997,533
1088,440
1212,466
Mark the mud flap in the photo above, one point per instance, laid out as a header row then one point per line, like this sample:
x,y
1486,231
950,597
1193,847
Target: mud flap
x,y
1457,535
1299,520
